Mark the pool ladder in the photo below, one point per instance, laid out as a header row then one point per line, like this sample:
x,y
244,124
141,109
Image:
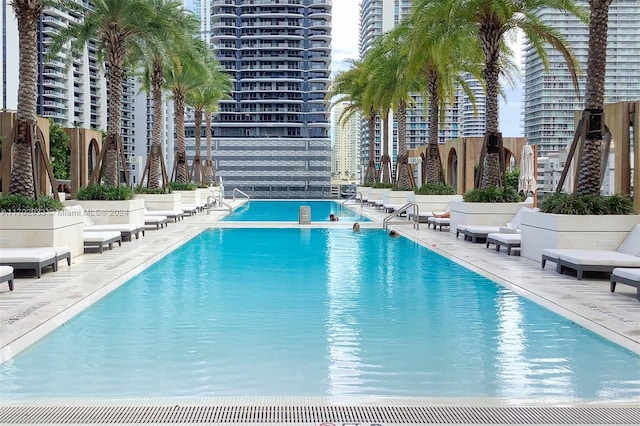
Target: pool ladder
x,y
404,209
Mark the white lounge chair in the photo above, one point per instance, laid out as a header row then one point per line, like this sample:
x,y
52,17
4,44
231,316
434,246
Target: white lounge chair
x,y
479,233
175,215
127,230
6,274
628,276
438,222
102,239
627,255
36,258
510,240
155,221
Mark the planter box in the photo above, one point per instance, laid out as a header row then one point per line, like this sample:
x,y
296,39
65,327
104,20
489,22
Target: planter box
x,y
546,230
365,191
197,196
495,214
47,229
432,203
105,212
171,201
375,194
395,197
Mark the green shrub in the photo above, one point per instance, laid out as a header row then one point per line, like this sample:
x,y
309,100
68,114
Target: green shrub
x,y
435,189
563,203
145,190
179,186
103,192
20,203
493,194
383,185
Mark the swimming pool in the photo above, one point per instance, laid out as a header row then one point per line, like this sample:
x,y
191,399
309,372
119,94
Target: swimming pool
x,y
287,210
318,312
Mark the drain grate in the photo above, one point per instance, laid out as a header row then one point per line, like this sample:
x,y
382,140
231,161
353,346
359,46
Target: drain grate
x,y
194,414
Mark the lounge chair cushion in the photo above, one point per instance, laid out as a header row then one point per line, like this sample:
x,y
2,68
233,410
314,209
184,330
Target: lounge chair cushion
x,y
34,258
506,238
600,258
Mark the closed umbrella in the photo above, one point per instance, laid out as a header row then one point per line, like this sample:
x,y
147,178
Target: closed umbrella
x,y
527,181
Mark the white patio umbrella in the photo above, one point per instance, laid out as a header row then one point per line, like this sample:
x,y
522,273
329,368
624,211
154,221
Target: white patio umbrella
x,y
527,181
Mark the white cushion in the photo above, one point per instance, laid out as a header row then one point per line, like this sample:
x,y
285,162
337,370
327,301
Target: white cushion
x,y
508,238
600,258
26,254
100,237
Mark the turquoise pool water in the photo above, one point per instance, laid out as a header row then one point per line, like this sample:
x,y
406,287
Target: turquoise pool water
x,y
288,211
286,312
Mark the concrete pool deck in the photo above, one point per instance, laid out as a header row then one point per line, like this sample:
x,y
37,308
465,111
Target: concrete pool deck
x,y
37,306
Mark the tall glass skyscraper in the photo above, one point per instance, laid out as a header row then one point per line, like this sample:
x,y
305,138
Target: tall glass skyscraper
x,y
550,99
271,139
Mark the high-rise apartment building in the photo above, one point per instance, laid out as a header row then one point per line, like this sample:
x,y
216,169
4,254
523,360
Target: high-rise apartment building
x,y
271,139
72,94
550,99
460,119
345,136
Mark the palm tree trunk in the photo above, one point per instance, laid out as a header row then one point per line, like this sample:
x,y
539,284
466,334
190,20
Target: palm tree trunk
x,y
27,13
156,132
181,148
115,60
209,169
371,175
385,161
196,173
591,161
434,163
491,37
404,175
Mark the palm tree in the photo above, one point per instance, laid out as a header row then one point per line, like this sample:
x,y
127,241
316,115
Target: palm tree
x,y
442,57
187,71
117,25
220,88
22,179
22,172
350,85
150,54
205,97
492,22
379,91
590,174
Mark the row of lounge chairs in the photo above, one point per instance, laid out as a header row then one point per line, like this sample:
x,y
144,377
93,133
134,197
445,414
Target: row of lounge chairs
x,y
623,264
96,238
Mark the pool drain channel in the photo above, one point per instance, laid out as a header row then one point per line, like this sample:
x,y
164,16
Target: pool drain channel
x,y
326,415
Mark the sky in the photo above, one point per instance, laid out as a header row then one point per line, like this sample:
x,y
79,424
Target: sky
x,y
345,28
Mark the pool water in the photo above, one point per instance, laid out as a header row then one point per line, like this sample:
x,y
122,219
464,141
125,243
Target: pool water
x,y
288,211
318,312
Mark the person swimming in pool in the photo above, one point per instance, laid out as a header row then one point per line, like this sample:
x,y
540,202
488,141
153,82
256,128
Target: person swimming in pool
x,y
394,233
356,227
333,217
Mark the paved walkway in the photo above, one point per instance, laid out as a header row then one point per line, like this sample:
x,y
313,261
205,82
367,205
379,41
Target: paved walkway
x,y
37,306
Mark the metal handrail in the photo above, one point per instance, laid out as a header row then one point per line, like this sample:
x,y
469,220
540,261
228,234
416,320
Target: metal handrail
x,y
416,215
222,202
240,192
352,197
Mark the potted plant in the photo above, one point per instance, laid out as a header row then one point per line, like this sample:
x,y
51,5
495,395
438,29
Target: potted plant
x,y
581,221
110,204
159,198
27,222
433,197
